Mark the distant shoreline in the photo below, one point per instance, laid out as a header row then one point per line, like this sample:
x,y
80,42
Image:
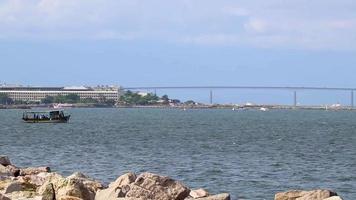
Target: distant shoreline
x,y
184,107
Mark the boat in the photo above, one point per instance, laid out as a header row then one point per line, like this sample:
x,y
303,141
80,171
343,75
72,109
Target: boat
x,y
52,116
62,105
264,109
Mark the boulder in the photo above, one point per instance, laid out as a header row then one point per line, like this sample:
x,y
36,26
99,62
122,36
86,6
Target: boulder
x,y
76,186
3,197
69,198
334,198
116,189
33,170
223,196
199,193
152,186
4,171
17,186
4,160
304,195
125,179
9,170
47,192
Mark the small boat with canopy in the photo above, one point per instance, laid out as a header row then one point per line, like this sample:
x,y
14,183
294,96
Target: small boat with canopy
x,y
52,116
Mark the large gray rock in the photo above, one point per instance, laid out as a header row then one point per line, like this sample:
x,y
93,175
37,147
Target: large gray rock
x,y
3,197
116,189
199,193
9,170
154,187
4,160
304,195
33,170
76,186
223,196
125,179
333,198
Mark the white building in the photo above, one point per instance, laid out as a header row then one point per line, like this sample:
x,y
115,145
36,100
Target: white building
x,y
36,94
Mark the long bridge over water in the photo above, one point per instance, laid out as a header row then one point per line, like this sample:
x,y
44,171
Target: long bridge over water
x,y
212,88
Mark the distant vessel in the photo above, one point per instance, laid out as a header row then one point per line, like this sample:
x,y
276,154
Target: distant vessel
x,y
62,105
264,109
53,116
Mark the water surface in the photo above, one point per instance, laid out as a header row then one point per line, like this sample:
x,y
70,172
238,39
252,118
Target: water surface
x,y
250,154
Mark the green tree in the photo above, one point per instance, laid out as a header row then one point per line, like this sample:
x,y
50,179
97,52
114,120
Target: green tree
x,y
88,100
48,100
189,102
165,99
72,98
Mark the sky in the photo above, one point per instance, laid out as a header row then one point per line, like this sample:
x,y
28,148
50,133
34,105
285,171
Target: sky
x,y
182,42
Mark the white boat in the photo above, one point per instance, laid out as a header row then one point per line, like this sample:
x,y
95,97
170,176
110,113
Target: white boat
x,y
264,109
62,105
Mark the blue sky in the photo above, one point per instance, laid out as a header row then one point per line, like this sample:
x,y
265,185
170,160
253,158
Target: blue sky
x,y
200,42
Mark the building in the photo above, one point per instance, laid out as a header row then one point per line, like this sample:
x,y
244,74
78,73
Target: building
x,y
36,94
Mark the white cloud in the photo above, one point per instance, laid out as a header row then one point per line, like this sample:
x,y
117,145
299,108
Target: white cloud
x,y
319,24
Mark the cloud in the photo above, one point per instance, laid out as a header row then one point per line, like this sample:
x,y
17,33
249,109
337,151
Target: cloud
x,y
319,24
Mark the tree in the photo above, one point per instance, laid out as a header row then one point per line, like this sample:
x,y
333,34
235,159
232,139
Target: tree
x,y
5,99
72,98
47,100
189,102
165,99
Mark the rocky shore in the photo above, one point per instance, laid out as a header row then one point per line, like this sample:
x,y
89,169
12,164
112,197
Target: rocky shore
x,y
39,183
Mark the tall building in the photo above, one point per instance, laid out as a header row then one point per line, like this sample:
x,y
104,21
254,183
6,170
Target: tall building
x,y
36,94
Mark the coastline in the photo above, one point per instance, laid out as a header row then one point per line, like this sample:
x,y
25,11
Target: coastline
x,y
202,106
40,183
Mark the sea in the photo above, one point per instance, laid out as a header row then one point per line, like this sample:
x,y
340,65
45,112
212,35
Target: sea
x,y
249,154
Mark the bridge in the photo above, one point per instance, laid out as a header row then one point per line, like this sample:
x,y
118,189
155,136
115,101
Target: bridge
x,y
211,88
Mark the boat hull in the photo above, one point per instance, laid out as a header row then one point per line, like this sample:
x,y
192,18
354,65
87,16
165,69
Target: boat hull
x,y
62,120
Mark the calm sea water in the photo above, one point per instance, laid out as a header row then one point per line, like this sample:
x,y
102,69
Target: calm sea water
x,y
250,154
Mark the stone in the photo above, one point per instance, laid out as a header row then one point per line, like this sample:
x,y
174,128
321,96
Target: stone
x,y
125,179
4,171
17,186
199,193
334,198
4,160
304,195
222,196
33,170
3,197
77,186
69,198
117,188
47,192
152,186
13,170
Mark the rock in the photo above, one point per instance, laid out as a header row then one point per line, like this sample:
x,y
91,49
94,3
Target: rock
x,y
223,196
304,195
4,160
17,186
69,198
152,186
33,170
9,170
116,189
334,198
199,193
3,197
13,170
125,179
47,192
4,171
74,186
